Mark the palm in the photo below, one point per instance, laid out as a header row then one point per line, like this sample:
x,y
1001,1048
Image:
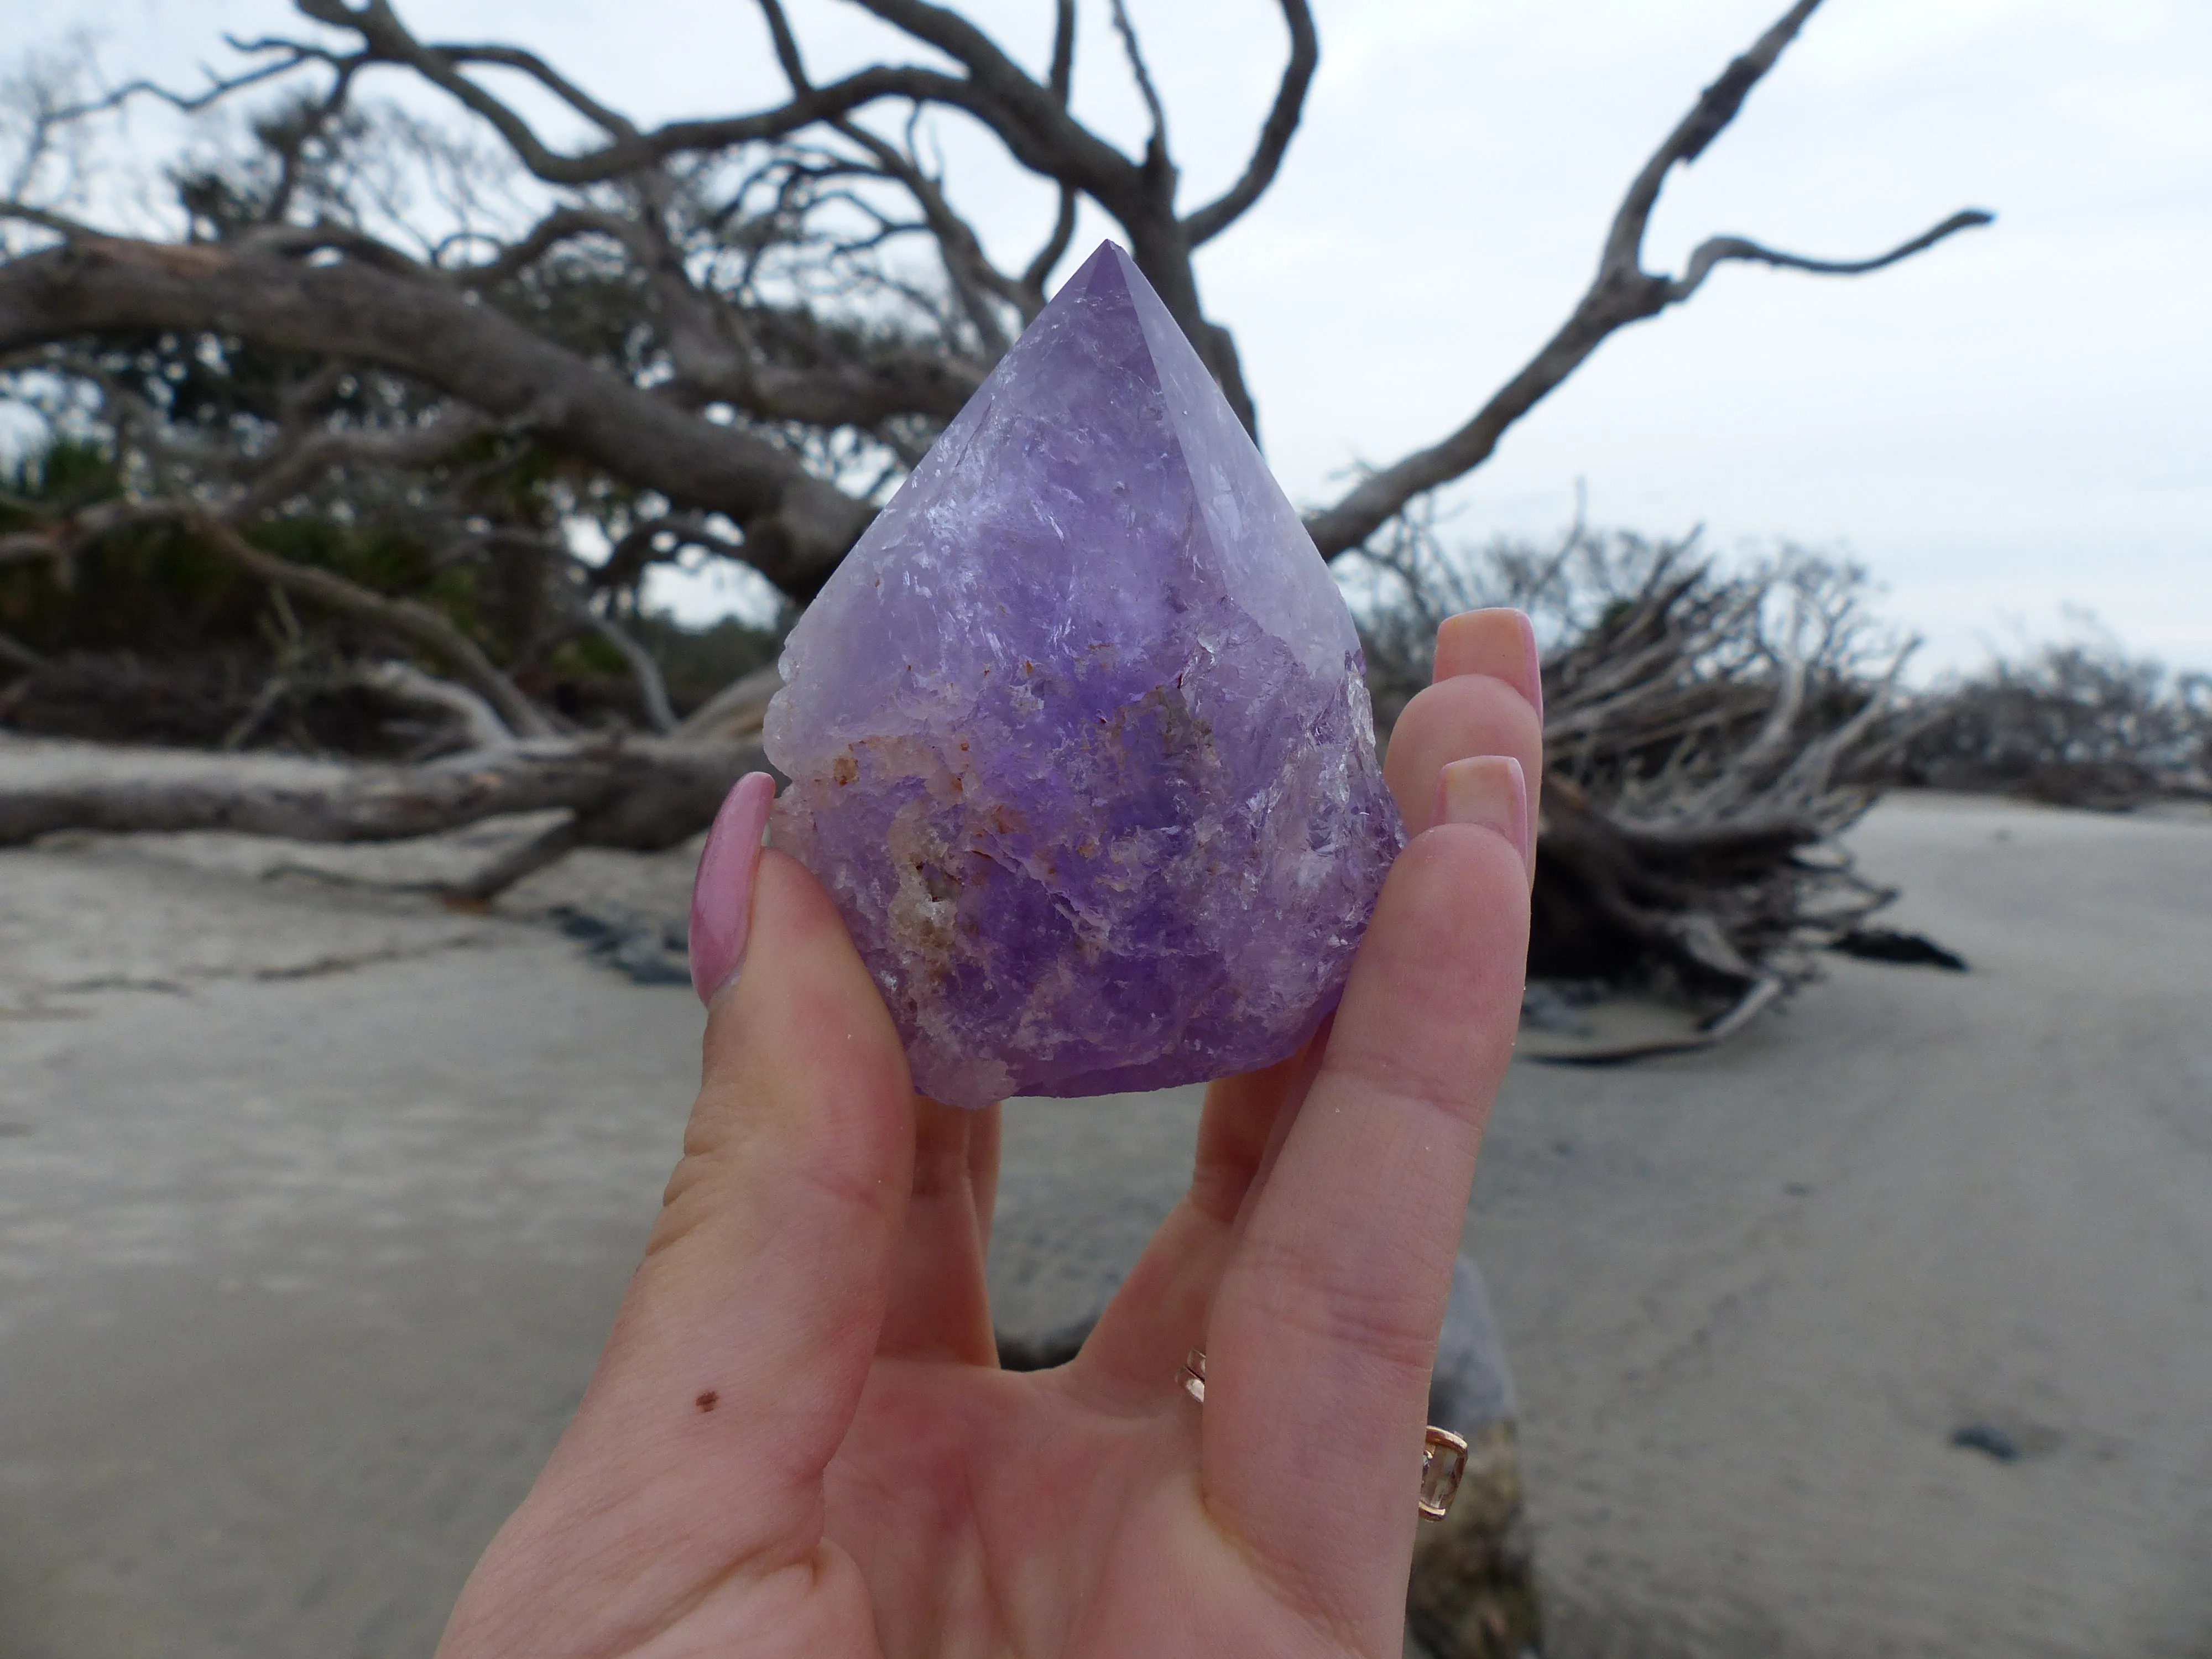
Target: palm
x,y
990,1512
799,1440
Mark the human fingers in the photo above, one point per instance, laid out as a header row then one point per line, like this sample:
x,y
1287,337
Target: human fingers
x,y
1487,702
1322,1331
936,1300
1158,1314
739,1354
1487,699
1468,714
1500,643
938,1306
721,891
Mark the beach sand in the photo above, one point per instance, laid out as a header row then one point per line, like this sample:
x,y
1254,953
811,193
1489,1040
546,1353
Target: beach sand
x,y
315,1202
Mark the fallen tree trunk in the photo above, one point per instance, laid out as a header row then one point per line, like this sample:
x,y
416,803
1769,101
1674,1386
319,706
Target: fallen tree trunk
x,y
641,794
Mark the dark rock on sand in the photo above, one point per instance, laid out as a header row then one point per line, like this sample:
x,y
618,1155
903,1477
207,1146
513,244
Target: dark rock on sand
x,y
1906,950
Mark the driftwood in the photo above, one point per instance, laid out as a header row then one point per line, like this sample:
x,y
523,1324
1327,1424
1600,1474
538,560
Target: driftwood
x,y
698,339
1709,736
641,794
1726,904
1706,736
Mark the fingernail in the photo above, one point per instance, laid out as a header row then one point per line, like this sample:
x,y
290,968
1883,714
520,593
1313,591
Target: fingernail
x,y
1487,789
1533,661
1501,642
722,893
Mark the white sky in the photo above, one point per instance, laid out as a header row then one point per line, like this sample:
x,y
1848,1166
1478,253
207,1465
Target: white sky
x,y
2014,422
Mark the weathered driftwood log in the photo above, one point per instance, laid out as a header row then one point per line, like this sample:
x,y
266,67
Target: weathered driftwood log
x,y
639,794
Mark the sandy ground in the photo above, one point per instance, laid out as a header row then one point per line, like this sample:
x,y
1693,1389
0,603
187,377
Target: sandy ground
x,y
315,1202
1750,1295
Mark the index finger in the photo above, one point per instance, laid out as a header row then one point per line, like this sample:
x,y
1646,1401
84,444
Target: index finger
x,y
1324,1328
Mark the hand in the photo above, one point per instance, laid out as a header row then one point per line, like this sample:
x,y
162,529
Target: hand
x,y
798,1441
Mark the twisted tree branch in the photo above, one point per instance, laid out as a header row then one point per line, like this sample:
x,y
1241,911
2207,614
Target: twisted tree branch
x,y
1217,216
1622,292
386,39
1718,249
796,526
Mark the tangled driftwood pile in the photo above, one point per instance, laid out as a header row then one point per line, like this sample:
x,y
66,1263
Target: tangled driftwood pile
x,y
1710,733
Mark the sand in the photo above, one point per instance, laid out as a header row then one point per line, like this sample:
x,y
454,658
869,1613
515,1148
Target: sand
x,y
315,1202
1750,1295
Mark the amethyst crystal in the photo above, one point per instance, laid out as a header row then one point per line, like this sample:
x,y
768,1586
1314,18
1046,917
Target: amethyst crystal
x,y
1078,734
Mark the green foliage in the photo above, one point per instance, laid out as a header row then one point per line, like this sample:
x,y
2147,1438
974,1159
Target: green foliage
x,y
155,590
699,662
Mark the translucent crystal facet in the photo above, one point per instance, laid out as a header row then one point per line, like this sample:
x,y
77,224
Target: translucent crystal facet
x,y
1078,734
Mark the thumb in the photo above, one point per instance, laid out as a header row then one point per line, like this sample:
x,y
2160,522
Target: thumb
x,y
747,1333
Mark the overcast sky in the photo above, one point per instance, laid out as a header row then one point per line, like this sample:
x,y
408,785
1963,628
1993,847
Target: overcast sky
x,y
2014,422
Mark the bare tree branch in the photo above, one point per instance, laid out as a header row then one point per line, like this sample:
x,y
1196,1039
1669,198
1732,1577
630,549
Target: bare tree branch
x,y
563,224
1717,106
1622,292
659,539
1718,249
796,526
1156,150
408,683
219,87
386,39
652,687
299,466
787,46
530,63
1035,125
1032,120
1062,79
418,624
1217,216
46,219
971,274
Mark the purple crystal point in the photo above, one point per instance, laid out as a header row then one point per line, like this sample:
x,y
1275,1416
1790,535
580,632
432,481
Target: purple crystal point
x,y
1077,733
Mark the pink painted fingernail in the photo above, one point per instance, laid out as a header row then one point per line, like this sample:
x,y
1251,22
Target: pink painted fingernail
x,y
1487,789
722,893
1500,642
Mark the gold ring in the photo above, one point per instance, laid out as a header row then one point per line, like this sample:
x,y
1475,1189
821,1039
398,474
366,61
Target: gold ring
x,y
1444,1454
